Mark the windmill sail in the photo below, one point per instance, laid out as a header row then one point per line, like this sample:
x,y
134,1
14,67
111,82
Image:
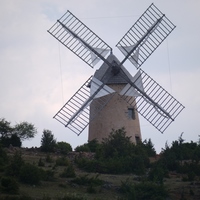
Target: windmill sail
x,y
149,31
75,113
154,103
77,37
128,90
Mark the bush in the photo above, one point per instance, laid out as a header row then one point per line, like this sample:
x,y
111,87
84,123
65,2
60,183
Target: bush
x,y
85,180
47,175
150,191
145,190
9,185
16,162
49,158
91,146
41,163
82,148
68,172
3,158
30,174
62,161
63,147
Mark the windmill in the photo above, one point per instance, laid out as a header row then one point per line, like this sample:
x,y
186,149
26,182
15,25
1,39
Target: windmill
x,y
112,97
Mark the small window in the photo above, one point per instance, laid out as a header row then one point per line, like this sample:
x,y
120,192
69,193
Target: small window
x,y
137,139
131,113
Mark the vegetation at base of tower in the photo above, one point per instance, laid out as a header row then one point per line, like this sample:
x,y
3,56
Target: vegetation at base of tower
x,y
117,154
91,146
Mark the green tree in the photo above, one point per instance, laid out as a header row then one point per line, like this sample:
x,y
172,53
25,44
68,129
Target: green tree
x,y
25,130
149,147
117,144
48,143
63,147
14,135
5,128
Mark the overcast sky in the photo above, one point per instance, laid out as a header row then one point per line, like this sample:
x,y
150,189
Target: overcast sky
x,y
38,75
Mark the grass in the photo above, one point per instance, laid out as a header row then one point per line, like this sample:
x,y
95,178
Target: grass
x,y
60,187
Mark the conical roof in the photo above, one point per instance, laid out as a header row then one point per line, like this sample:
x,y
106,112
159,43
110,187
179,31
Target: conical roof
x,y
105,73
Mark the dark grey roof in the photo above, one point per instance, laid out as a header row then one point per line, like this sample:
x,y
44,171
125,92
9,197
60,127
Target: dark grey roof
x,y
106,75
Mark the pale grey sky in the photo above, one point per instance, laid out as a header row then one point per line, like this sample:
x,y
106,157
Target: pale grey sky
x,y
38,75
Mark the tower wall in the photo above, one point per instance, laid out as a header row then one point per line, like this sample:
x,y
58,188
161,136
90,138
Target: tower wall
x,y
116,114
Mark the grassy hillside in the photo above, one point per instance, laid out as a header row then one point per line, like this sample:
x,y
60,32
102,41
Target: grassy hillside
x,y
115,169
86,185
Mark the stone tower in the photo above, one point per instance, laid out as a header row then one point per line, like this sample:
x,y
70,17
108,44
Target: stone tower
x,y
117,113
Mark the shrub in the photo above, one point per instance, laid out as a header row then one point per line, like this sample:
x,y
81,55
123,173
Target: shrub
x,y
16,162
49,159
47,175
63,147
150,191
144,190
62,161
9,185
41,163
3,158
85,180
82,148
30,174
127,188
68,172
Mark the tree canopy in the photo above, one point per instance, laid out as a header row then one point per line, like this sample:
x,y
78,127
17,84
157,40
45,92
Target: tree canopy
x,y
25,130
15,134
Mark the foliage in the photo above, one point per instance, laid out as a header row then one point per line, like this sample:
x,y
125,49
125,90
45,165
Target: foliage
x,y
91,146
25,130
30,174
116,155
47,175
15,164
68,172
9,185
144,190
63,147
149,147
48,158
48,143
82,148
181,157
13,140
3,158
116,145
5,128
157,173
41,163
14,135
86,180
62,161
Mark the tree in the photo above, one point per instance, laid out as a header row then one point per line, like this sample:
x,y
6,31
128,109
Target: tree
x,y
5,128
25,130
63,147
48,143
14,135
117,144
